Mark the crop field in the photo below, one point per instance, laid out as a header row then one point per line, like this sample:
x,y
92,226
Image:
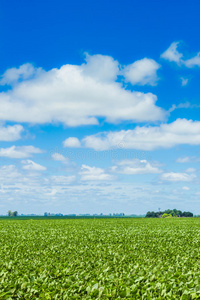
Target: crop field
x,y
100,259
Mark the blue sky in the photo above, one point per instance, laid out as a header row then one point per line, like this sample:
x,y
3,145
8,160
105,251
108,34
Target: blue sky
x,y
99,106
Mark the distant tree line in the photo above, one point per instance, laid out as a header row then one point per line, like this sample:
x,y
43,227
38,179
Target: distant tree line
x,y
168,212
12,213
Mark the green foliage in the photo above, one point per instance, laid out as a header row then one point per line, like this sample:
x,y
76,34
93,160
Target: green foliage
x,y
152,214
166,215
12,214
174,213
100,259
187,214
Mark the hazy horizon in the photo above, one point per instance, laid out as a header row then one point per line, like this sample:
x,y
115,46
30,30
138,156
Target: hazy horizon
x,y
99,106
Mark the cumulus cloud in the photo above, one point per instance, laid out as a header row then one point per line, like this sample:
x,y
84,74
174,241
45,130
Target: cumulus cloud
x,y
24,72
11,133
32,166
93,173
179,132
142,72
101,67
58,157
193,62
72,142
174,177
172,54
19,151
77,95
135,166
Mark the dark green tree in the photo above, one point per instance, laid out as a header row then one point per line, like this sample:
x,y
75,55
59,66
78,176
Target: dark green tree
x,y
10,213
173,212
151,214
187,214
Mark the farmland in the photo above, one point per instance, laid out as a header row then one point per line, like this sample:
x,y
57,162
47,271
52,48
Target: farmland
x,y
100,259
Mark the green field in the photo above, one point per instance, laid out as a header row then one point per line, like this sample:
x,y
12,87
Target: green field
x,y
100,259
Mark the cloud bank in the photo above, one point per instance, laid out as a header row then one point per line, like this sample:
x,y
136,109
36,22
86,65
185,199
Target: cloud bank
x,y
174,177
179,132
135,166
92,173
78,95
19,151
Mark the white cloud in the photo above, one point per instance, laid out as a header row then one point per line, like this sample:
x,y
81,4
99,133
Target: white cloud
x,y
135,166
188,159
62,180
172,54
24,72
190,170
193,62
53,192
22,187
183,159
142,72
184,81
182,105
72,142
35,194
58,157
101,67
8,171
185,188
93,173
78,95
179,132
32,166
19,151
174,177
11,133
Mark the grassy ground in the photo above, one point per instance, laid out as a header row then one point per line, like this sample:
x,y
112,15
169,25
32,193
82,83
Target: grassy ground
x,y
100,259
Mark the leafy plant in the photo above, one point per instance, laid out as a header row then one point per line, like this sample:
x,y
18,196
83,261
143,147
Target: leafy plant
x,y
100,259
166,215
